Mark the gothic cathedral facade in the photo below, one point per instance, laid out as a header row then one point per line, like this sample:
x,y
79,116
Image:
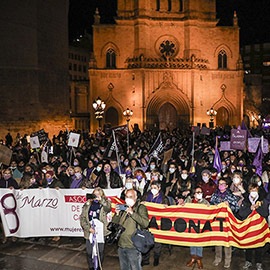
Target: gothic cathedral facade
x,y
169,62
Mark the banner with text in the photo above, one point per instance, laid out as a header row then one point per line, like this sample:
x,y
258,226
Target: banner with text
x,y
200,225
44,212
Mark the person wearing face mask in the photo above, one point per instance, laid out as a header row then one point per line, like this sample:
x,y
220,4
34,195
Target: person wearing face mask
x,y
169,180
78,179
18,171
96,207
256,179
7,181
253,202
196,252
183,187
29,181
136,215
50,181
129,184
139,180
108,178
207,184
154,195
237,187
224,195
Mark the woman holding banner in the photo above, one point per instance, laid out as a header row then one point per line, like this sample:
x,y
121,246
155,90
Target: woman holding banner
x,y
196,252
254,201
94,222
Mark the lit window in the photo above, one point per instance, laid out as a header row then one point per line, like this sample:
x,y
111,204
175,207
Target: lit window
x,y
222,59
110,59
266,64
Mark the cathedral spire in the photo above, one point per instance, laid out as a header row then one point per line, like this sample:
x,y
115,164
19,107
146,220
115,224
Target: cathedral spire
x,y
96,17
235,19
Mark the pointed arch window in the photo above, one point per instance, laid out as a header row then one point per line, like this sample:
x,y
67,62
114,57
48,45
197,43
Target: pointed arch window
x,y
110,58
222,59
158,5
181,5
169,5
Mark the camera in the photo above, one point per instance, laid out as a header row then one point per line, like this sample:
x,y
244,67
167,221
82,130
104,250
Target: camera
x,y
116,231
90,196
121,207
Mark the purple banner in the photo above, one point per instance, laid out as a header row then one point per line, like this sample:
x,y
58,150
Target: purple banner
x,y
253,145
225,146
238,139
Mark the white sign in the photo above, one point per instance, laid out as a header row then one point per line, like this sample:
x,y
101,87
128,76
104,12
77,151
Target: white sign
x,y
44,212
34,142
73,139
99,229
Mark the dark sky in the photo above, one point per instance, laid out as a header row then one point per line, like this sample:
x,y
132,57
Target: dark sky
x,y
254,17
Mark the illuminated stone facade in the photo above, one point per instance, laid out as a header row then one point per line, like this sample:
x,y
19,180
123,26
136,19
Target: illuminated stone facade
x,y
169,62
34,66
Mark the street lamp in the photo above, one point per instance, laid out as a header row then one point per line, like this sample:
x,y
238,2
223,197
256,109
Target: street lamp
x,y
99,107
128,113
211,113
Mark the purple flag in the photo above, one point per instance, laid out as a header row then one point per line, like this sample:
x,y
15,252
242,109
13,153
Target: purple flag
x,y
257,162
244,127
217,160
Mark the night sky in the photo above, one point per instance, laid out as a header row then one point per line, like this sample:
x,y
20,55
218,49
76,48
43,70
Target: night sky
x,y
254,17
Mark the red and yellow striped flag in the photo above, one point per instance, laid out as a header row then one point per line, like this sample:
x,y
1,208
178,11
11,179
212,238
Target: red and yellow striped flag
x,y
201,225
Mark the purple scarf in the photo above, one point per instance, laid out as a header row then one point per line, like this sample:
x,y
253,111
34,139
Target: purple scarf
x,y
222,195
89,171
76,182
157,199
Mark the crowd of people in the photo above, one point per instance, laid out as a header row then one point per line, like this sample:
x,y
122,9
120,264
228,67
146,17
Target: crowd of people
x,y
188,177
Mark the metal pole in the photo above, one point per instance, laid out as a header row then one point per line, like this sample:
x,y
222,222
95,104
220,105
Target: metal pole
x,y
116,150
127,136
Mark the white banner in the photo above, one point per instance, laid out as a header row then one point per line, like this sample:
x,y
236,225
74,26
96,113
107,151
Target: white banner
x,y
44,212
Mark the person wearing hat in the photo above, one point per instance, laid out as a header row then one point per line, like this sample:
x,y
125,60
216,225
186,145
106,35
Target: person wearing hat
x,y
207,184
96,207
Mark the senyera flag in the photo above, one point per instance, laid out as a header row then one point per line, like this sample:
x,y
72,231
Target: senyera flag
x,y
201,225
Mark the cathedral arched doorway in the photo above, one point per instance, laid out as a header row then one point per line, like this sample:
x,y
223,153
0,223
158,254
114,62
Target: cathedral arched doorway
x,y
222,117
112,117
167,116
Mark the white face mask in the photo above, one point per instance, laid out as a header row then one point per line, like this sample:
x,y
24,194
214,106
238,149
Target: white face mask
x,y
154,191
129,202
129,185
184,176
172,170
155,177
99,168
254,194
199,196
205,178
259,183
152,167
236,180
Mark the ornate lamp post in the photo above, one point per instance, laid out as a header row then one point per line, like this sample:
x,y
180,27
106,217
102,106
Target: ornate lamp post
x,y
128,113
99,107
211,113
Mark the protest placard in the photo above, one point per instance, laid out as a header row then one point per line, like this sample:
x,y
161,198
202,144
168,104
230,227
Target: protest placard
x,y
225,146
5,155
205,131
167,156
34,142
238,139
253,145
73,139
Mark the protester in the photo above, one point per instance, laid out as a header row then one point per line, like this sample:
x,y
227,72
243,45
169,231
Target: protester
x,y
134,216
96,207
196,252
207,184
7,181
224,195
155,195
254,202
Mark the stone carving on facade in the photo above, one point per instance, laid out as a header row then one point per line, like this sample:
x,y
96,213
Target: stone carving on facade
x,y
224,101
111,100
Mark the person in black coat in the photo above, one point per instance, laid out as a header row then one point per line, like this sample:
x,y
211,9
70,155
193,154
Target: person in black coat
x,y
7,181
253,202
108,178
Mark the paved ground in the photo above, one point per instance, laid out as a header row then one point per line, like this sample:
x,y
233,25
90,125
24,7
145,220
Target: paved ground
x,y
69,254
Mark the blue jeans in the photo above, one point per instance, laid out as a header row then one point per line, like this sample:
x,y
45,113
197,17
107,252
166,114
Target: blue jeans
x,y
197,251
129,258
